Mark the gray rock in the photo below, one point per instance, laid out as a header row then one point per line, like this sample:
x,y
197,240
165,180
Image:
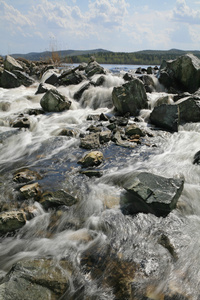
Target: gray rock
x,y
105,136
11,221
23,78
78,94
52,79
150,193
9,80
43,88
134,129
166,117
26,175
71,77
130,97
53,101
20,122
189,109
90,141
36,279
32,190
182,73
56,199
11,64
94,68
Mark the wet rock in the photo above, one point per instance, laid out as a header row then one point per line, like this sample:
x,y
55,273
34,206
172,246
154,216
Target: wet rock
x,y
94,68
56,199
166,243
182,73
31,191
83,88
26,175
117,139
92,173
189,109
150,193
9,80
20,122
23,78
52,79
36,279
109,268
103,117
35,111
163,100
133,129
93,117
91,159
105,136
53,101
11,221
43,88
100,81
149,83
71,77
68,132
93,128
196,159
11,64
166,117
179,96
130,97
128,77
90,141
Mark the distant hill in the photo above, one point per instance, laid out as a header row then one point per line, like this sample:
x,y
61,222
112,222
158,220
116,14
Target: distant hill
x,y
36,56
144,57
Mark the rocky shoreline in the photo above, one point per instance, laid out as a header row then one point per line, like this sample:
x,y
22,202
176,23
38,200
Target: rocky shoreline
x,y
140,192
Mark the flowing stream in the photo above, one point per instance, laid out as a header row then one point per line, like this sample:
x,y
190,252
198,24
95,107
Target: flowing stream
x,y
55,157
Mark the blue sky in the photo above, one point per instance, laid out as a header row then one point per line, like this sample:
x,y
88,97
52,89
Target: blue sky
x,y
116,25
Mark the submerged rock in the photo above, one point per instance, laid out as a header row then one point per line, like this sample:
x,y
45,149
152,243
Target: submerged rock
x,y
53,101
57,198
11,221
150,193
90,141
26,175
130,97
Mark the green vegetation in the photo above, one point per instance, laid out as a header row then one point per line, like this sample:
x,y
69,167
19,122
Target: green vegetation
x,y
146,57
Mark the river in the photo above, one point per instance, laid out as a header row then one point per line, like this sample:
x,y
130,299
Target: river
x,y
55,157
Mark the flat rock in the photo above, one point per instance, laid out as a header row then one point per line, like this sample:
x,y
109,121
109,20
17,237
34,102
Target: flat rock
x,y
150,193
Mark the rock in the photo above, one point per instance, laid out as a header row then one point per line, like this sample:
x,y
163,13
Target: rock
x,y
149,70
130,97
56,199
93,117
26,175
163,100
84,87
189,109
20,122
53,101
43,88
149,83
103,117
68,132
31,191
117,139
133,129
72,77
93,128
150,193
11,64
100,81
92,173
105,136
52,79
37,279
9,80
23,78
94,68
196,159
91,159
11,221
166,117
90,141
128,77
182,73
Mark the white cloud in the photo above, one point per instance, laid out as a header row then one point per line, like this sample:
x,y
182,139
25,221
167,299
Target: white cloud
x,y
183,13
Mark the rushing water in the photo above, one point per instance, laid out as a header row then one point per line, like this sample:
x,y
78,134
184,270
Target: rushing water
x,y
55,157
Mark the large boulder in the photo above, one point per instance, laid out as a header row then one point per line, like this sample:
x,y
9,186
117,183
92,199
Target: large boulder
x,y
166,117
9,80
36,279
94,68
11,221
181,74
53,101
150,193
11,64
130,97
189,109
23,78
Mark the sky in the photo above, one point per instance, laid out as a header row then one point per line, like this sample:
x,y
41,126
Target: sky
x,y
115,25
